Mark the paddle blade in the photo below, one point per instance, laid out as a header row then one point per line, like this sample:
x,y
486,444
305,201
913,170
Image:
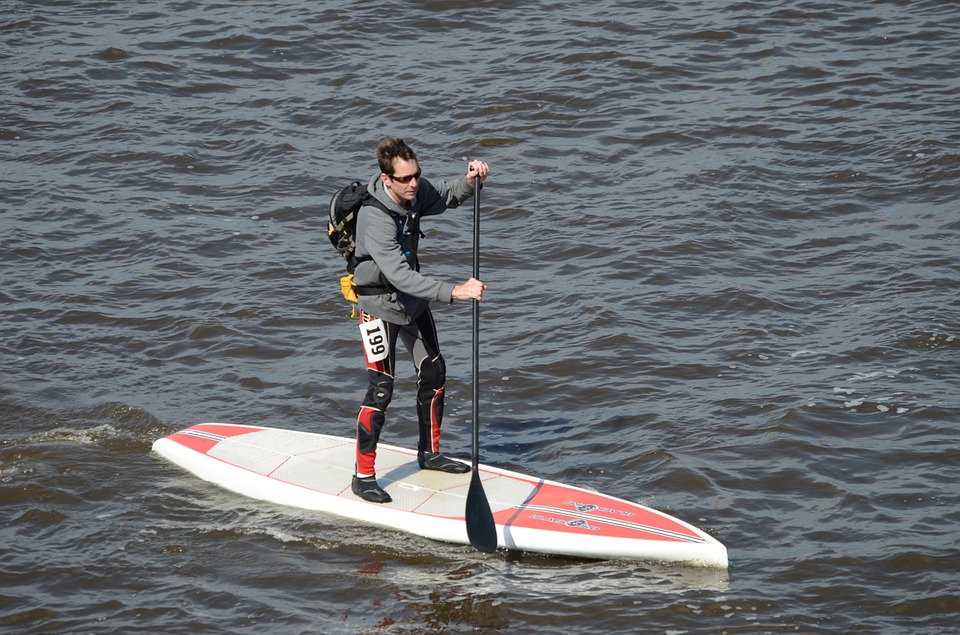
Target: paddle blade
x,y
481,529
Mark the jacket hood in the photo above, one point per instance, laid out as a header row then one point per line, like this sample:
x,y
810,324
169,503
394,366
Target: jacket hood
x,y
378,190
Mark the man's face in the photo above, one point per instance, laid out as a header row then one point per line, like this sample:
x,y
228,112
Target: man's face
x,y
405,180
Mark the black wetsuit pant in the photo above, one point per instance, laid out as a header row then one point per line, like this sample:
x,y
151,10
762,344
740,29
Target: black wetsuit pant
x,y
420,340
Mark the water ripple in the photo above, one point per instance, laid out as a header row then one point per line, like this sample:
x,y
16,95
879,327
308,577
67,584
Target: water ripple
x,y
721,245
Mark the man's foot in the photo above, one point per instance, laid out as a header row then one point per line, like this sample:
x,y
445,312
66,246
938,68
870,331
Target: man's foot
x,y
441,463
368,489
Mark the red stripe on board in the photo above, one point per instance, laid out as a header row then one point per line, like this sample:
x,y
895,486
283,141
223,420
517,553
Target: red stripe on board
x,y
224,430
203,444
593,514
198,444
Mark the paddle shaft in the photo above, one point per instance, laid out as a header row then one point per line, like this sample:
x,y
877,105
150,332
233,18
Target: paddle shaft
x,y
481,529
476,326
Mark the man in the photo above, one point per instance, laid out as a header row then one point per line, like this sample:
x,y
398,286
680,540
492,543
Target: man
x,y
394,304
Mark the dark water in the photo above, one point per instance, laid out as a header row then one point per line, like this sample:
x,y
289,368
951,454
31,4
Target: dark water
x,y
722,242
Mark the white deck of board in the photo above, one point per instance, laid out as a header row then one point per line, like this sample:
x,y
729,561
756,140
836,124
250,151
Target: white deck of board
x,y
313,471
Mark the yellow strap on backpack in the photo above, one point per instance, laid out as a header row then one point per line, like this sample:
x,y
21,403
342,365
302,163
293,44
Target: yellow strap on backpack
x,y
349,288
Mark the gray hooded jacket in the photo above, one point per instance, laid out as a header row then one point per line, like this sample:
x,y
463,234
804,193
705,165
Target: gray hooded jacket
x,y
391,241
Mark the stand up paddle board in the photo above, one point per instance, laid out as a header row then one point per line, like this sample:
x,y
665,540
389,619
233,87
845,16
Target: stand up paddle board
x,y
313,471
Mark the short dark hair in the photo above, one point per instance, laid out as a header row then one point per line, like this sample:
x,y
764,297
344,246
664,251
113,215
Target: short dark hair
x,y
393,148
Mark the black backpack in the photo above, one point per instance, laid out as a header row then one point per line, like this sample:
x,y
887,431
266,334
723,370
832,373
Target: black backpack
x,y
342,223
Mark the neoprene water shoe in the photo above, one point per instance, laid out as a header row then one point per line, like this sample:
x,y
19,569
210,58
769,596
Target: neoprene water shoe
x,y
368,489
440,463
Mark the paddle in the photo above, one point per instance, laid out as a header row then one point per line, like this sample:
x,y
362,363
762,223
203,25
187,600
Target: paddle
x,y
481,529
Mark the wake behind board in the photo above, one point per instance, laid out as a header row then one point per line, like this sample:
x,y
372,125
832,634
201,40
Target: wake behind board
x,y
313,471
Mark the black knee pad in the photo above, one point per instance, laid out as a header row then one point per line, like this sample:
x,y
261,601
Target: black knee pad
x,y
379,395
433,373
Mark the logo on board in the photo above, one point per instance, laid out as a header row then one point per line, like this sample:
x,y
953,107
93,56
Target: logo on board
x,y
586,508
578,524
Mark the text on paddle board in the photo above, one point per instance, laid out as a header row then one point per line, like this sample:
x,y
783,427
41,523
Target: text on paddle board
x,y
581,524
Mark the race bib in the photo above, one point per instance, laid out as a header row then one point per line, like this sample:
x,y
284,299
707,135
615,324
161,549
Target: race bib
x,y
374,336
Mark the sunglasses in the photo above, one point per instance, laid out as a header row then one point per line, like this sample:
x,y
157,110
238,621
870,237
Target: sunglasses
x,y
408,178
